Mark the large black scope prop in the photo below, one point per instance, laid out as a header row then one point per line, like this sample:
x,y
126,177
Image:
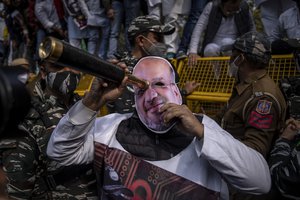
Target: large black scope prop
x,y
14,99
62,53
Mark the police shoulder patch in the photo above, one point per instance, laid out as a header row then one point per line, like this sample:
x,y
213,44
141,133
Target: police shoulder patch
x,y
263,106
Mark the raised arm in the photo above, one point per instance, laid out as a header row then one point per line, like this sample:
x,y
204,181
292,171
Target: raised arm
x,y
72,141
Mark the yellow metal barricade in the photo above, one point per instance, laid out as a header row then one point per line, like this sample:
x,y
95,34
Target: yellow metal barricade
x,y
282,66
211,73
216,86
85,84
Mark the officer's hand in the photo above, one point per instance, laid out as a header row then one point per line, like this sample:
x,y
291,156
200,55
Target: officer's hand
x,y
292,129
187,120
190,86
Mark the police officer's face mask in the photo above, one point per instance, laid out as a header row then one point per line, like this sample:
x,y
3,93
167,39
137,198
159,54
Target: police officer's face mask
x,y
233,69
63,82
156,49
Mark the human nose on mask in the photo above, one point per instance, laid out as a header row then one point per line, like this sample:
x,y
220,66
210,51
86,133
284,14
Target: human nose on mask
x,y
150,94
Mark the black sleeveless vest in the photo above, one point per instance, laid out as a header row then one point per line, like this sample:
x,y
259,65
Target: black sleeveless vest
x,y
241,19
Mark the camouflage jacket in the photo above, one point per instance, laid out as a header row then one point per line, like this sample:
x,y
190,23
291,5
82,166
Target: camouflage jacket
x,y
18,160
284,164
53,181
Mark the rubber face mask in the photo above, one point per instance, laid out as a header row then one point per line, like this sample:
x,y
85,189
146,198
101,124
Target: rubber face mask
x,y
154,121
156,49
148,102
62,82
233,69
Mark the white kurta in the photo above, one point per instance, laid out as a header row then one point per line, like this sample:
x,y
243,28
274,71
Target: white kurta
x,y
216,158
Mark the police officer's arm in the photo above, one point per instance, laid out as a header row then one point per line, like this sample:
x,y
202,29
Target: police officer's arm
x,y
262,118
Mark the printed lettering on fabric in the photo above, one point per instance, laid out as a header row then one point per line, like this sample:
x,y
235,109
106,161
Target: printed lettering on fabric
x,y
260,121
125,176
263,107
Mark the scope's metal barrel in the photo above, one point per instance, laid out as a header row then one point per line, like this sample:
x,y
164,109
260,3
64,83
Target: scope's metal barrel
x,y
63,54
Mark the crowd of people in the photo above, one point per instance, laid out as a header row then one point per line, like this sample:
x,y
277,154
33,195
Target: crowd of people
x,y
151,146
98,26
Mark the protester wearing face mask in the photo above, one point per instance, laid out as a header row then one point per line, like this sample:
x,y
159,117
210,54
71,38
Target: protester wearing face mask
x,y
145,35
52,95
255,113
136,155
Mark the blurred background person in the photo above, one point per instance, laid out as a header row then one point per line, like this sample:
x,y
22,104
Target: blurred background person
x,y
197,7
155,8
52,95
220,23
285,161
50,17
174,12
132,9
270,11
20,34
116,16
15,142
286,32
87,20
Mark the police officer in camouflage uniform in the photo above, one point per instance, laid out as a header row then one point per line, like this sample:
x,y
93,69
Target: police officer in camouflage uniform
x,y
16,159
51,98
256,110
145,35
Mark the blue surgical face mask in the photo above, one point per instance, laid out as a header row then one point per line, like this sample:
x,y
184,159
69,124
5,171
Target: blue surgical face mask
x,y
233,69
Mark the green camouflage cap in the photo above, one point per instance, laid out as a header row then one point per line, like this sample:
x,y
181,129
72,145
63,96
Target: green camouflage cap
x,y
256,45
147,23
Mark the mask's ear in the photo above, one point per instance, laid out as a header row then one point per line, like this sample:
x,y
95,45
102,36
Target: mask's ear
x,y
178,97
